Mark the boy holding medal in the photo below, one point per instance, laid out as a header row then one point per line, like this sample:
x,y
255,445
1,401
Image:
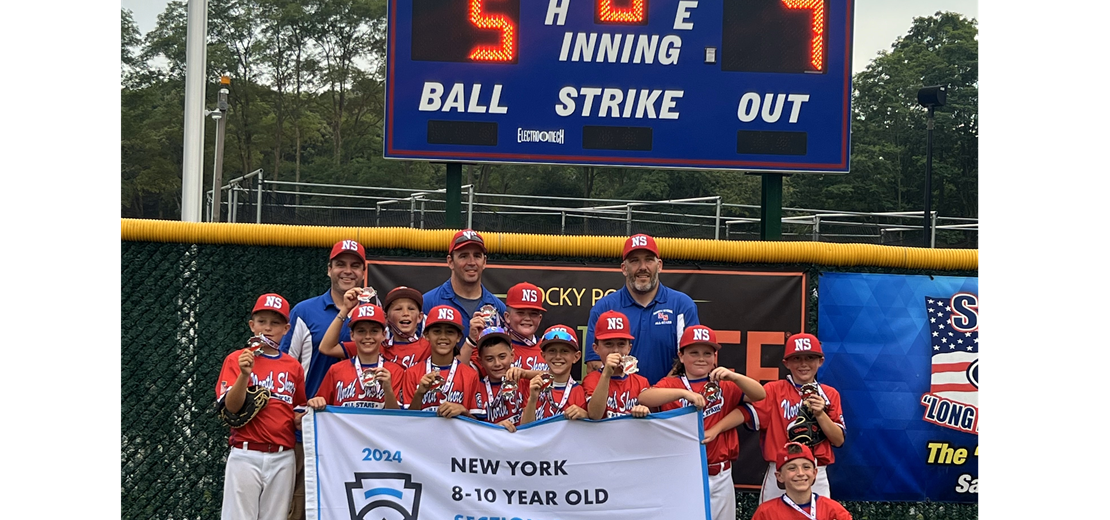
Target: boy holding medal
x,y
558,393
442,384
367,380
615,389
499,397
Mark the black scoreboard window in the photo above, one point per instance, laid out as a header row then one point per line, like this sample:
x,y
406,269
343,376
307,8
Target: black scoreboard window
x,y
472,31
775,36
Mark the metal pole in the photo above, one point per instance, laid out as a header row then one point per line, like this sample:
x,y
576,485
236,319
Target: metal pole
x,y
412,212
258,206
218,161
470,207
933,238
927,234
233,211
770,208
454,196
717,222
817,228
628,220
422,203
192,162
377,215
563,223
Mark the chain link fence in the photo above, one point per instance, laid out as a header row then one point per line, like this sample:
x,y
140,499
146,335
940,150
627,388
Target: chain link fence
x,y
251,198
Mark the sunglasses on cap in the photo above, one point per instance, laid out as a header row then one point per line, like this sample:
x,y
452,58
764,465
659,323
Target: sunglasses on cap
x,y
558,334
493,330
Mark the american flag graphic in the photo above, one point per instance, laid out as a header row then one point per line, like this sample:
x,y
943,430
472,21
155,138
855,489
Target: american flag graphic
x,y
954,340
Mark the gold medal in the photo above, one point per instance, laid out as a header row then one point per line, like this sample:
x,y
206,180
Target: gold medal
x,y
629,365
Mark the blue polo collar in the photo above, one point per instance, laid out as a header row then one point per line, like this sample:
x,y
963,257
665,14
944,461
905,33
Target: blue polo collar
x,y
627,301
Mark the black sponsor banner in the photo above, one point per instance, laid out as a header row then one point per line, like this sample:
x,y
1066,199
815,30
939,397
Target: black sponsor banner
x,y
751,311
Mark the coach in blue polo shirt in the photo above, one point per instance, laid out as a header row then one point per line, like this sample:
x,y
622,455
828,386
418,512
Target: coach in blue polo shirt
x,y
466,258
657,314
309,321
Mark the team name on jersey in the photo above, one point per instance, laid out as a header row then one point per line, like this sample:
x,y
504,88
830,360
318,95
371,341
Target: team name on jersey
x,y
431,398
790,411
354,391
711,407
530,363
663,317
406,361
504,408
281,386
621,404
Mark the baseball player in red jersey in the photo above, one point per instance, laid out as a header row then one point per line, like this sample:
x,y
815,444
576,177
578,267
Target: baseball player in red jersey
x,y
502,399
796,471
618,393
442,384
557,394
523,315
773,415
258,477
403,319
367,380
717,391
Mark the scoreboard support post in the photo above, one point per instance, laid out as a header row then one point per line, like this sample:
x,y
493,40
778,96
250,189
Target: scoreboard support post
x,y
770,207
453,219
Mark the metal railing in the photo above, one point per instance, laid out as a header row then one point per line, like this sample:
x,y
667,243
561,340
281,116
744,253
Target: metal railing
x,y
304,203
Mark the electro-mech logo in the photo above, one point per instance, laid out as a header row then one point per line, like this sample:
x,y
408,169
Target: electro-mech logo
x,y
389,496
539,136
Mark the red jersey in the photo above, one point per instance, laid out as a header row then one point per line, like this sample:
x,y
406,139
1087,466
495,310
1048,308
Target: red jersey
x,y
498,406
528,358
407,354
283,376
727,444
780,407
461,386
555,402
341,387
780,509
624,392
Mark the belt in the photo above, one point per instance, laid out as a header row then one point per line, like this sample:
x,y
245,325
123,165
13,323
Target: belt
x,y
264,447
718,467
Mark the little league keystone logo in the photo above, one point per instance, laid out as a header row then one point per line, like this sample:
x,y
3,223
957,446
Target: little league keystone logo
x,y
383,496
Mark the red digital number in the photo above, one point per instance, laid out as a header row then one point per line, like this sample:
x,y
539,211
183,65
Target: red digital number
x,y
634,13
499,22
817,44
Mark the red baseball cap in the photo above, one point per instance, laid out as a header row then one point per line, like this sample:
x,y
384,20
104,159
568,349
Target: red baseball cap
x,y
404,292
698,335
640,241
785,456
367,312
348,246
272,302
559,334
525,296
803,344
464,237
444,314
612,325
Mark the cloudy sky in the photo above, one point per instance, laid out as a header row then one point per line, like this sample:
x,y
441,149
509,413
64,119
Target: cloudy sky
x,y
878,22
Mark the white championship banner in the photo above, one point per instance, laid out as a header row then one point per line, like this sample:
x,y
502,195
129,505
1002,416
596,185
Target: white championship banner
x,y
371,464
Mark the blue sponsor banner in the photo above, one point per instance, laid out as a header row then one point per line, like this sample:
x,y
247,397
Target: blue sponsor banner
x,y
903,352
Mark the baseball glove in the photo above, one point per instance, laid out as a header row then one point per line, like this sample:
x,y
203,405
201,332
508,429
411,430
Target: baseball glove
x,y
804,429
257,397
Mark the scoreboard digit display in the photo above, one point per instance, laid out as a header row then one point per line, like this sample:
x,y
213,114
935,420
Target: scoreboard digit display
x,y
757,85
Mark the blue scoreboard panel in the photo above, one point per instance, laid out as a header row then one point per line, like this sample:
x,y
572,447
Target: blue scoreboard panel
x,y
759,85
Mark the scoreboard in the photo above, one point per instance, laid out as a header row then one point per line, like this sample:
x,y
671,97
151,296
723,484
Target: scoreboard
x,y
758,85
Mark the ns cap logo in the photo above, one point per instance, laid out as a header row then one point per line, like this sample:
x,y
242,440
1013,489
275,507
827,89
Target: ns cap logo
x,y
274,301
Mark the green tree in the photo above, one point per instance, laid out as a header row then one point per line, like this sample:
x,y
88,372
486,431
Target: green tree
x,y
888,127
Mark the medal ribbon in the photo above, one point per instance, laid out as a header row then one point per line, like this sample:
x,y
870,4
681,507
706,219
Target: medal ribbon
x,y
812,506
446,386
562,403
519,338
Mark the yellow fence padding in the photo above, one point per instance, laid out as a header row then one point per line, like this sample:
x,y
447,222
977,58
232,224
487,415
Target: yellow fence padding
x,y
742,252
